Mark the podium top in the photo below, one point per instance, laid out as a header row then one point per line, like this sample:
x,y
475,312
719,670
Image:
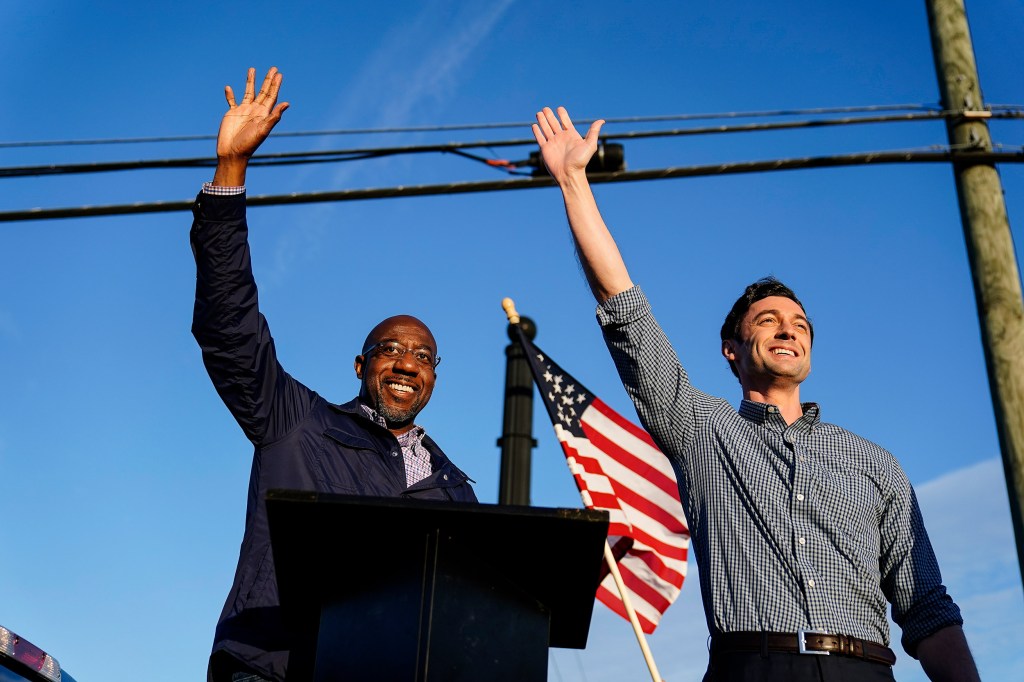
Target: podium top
x,y
323,543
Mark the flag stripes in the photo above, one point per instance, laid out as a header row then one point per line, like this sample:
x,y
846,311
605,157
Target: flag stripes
x,y
617,467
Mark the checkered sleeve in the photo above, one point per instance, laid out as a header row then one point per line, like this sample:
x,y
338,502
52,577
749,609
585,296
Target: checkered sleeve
x,y
910,574
649,368
221,190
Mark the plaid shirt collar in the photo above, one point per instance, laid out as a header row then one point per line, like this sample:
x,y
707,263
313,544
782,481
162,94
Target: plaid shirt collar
x,y
763,414
409,439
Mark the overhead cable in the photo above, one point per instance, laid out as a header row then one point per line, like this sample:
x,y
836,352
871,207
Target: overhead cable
x,y
489,126
338,155
869,158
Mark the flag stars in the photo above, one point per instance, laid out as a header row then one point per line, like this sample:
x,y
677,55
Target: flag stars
x,y
570,388
547,376
581,398
566,400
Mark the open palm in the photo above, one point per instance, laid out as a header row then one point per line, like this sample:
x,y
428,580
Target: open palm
x,y
246,125
562,147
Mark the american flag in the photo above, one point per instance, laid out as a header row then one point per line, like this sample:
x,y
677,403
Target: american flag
x,y
618,468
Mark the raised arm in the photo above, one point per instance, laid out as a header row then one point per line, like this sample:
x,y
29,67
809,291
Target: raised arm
x,y
246,125
238,350
566,155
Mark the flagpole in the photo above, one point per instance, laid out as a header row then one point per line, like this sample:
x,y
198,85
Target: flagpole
x,y
613,566
513,318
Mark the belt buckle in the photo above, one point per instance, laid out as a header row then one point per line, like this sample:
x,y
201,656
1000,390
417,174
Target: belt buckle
x,y
801,641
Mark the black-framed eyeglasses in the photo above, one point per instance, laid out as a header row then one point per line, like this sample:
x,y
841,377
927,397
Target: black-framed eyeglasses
x,y
394,350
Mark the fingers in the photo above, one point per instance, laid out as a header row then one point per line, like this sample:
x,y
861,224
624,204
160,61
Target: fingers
x,y
275,115
229,95
250,81
595,131
271,86
549,125
543,125
538,134
552,122
563,119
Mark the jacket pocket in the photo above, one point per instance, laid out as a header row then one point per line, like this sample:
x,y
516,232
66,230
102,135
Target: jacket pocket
x,y
345,461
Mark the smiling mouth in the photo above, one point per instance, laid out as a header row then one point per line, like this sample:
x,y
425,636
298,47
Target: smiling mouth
x,y
400,388
783,351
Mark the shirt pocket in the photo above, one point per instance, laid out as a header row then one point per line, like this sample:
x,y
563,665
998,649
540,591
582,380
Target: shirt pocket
x,y
851,509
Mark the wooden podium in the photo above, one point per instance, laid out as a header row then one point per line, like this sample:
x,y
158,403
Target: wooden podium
x,y
394,589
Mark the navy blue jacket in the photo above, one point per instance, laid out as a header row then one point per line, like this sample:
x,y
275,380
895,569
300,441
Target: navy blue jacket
x,y
302,442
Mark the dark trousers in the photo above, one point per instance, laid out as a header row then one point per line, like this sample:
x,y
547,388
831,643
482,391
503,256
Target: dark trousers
x,y
785,667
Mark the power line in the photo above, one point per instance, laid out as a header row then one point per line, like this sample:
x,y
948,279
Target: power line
x,y
870,158
489,126
339,155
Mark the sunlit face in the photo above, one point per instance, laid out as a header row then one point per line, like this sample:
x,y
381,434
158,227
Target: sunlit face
x,y
398,385
773,344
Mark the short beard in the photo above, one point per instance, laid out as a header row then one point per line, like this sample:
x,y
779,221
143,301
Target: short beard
x,y
398,417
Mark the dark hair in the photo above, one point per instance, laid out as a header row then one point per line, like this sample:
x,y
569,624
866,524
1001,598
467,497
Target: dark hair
x,y
762,288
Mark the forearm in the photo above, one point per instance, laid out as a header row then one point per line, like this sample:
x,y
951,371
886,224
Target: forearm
x,y
945,656
230,172
602,263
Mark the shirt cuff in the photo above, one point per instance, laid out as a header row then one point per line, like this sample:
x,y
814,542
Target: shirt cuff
x,y
222,191
623,307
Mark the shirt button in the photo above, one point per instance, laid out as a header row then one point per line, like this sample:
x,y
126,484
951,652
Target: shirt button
x,y
800,497
394,453
802,541
810,583
803,458
445,477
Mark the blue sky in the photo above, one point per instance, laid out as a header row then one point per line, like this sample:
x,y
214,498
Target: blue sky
x,y
124,478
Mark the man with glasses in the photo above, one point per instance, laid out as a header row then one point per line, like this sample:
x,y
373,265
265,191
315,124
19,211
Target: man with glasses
x,y
368,446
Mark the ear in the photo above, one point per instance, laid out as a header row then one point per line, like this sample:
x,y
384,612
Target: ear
x,y
358,365
729,350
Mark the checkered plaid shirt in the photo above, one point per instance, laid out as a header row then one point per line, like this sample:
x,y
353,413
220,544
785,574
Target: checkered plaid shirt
x,y
416,457
794,526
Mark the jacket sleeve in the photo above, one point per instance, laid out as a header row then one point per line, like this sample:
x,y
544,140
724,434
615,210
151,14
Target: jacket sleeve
x,y
238,350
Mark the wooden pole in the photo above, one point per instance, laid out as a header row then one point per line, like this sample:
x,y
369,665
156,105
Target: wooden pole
x,y
993,262
513,319
613,566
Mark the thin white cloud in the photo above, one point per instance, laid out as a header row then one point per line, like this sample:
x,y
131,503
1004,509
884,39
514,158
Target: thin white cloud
x,y
415,67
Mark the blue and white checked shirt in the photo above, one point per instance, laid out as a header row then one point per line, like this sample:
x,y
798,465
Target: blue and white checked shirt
x,y
798,526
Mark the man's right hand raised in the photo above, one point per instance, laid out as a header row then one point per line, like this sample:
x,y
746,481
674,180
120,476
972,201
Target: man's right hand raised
x,y
246,125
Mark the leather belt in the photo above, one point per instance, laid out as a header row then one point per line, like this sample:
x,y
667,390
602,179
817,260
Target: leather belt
x,y
802,642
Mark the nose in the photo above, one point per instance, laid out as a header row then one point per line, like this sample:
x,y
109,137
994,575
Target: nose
x,y
786,330
406,364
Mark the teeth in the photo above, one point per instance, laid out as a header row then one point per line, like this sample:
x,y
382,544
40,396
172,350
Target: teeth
x,y
401,388
784,351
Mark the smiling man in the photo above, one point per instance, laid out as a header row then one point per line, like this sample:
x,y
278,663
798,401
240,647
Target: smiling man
x,y
368,446
802,531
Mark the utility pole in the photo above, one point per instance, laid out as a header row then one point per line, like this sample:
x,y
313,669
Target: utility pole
x,y
517,440
997,287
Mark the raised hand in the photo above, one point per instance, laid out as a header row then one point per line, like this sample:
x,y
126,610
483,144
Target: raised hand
x,y
565,152
246,125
